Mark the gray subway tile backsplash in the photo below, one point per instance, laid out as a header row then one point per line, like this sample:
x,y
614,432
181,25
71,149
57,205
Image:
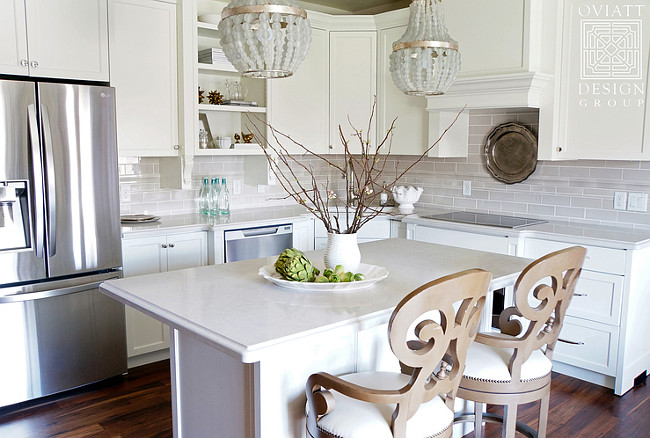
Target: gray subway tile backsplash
x,y
572,191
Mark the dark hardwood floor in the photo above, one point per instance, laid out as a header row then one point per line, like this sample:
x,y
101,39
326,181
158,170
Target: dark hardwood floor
x,y
138,405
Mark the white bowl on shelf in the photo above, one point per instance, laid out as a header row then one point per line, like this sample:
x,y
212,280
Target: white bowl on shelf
x,y
406,197
210,18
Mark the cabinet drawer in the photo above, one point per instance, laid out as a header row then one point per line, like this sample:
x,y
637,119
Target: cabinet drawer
x,y
597,259
589,345
461,239
597,297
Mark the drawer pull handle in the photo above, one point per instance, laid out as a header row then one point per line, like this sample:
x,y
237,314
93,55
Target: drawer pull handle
x,y
570,342
580,295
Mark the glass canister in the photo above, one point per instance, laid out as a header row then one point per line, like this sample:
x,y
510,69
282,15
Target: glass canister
x,y
203,139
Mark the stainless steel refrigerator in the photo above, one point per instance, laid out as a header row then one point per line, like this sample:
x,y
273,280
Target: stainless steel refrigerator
x,y
59,239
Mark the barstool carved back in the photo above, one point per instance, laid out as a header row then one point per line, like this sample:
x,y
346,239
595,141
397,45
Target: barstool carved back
x,y
514,366
429,332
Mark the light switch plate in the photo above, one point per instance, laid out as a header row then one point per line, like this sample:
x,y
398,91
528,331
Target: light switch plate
x,y
620,200
637,202
236,187
125,193
467,188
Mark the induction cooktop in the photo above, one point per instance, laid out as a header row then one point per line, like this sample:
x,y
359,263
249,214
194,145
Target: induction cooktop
x,y
493,220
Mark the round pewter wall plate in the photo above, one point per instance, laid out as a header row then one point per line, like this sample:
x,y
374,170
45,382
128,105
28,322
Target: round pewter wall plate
x,y
511,152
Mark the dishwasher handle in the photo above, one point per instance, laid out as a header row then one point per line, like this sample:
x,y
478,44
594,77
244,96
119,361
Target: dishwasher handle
x,y
248,233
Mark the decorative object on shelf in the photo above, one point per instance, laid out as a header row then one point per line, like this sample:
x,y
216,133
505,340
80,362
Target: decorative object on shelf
x,y
203,139
265,38
215,98
247,137
236,90
511,152
366,173
406,197
201,96
237,137
223,142
425,60
205,125
239,102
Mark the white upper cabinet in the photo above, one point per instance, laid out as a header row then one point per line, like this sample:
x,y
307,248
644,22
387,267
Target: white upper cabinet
x,y
601,82
410,134
299,105
65,39
13,43
353,80
144,74
493,36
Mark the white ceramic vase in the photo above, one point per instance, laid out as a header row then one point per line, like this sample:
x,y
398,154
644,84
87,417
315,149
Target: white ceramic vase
x,y
342,249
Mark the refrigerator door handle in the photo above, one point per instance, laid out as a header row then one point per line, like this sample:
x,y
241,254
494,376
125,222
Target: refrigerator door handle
x,y
39,232
51,180
30,296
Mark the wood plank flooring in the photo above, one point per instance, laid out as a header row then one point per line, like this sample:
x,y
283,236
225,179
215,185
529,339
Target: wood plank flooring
x,y
139,405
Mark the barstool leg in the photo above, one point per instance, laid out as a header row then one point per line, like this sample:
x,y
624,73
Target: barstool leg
x,y
509,421
478,420
543,415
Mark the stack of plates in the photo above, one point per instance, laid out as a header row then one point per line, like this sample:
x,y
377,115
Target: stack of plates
x,y
212,56
138,218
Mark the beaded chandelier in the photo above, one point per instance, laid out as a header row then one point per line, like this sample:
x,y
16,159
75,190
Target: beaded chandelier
x,y
425,60
265,38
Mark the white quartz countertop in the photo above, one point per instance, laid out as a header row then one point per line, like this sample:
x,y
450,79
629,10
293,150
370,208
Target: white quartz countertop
x,y
233,309
196,222
585,234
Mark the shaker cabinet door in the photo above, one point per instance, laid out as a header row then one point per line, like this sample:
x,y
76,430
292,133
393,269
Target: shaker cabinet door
x,y
68,39
603,78
144,74
13,38
299,104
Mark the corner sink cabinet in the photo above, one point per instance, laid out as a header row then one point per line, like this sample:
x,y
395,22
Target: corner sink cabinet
x,y
43,38
605,335
147,338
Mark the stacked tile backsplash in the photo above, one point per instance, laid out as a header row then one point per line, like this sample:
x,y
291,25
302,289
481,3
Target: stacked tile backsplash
x,y
573,191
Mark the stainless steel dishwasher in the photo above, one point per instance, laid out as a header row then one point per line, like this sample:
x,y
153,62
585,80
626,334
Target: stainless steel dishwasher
x,y
253,243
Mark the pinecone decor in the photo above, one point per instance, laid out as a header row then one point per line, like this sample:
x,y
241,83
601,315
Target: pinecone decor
x,y
215,98
201,97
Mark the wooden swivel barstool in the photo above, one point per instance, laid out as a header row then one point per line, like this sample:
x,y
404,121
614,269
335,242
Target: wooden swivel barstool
x,y
514,366
429,332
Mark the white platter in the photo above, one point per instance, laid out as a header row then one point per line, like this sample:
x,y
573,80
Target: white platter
x,y
373,275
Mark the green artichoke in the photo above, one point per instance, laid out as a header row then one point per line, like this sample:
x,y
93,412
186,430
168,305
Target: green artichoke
x,y
294,266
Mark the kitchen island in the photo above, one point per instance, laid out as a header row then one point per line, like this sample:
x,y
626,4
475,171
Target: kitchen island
x,y
242,348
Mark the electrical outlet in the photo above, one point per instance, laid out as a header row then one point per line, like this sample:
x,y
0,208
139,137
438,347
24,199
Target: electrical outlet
x,y
261,188
125,193
467,188
620,200
637,202
236,187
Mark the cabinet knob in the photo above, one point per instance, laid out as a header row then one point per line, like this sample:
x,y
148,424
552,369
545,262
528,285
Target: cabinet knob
x,y
164,245
34,64
24,62
559,148
331,147
171,245
177,147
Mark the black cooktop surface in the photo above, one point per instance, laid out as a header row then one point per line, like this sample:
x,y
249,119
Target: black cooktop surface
x,y
493,220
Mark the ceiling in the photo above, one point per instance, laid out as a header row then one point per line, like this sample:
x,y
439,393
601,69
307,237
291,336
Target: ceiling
x,y
359,6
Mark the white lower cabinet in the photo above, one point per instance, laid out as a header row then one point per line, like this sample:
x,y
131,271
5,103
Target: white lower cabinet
x,y
463,239
303,234
604,338
149,255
